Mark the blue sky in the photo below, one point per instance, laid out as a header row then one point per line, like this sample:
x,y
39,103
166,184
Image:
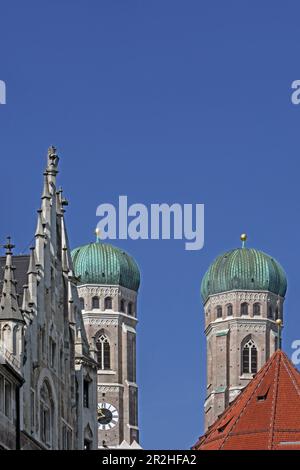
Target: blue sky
x,y
164,101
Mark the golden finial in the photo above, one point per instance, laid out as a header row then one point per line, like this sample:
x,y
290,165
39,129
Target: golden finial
x,y
243,239
98,233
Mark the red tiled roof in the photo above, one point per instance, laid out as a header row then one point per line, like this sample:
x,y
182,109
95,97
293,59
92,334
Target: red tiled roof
x,y
266,414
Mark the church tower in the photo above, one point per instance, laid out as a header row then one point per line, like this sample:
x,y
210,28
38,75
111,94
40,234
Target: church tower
x,y
243,293
108,283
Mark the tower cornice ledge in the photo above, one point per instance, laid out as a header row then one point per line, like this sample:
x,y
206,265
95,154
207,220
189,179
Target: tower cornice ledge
x,y
232,295
115,317
103,290
237,322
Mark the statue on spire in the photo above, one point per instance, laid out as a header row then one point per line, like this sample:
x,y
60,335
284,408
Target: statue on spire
x,y
53,160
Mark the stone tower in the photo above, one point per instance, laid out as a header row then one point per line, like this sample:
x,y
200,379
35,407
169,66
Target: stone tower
x,y
108,282
243,293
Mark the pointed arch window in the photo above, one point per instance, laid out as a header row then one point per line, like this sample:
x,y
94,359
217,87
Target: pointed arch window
x,y
6,336
256,309
46,415
95,302
229,310
219,311
108,303
249,358
15,340
103,352
244,308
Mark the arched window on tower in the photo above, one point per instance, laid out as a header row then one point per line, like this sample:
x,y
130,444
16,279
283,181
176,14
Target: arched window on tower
x,y
244,308
256,309
219,311
95,302
249,358
107,303
81,302
103,352
229,310
122,306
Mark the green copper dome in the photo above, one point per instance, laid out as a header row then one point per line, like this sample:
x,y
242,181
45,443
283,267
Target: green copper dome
x,y
101,263
244,269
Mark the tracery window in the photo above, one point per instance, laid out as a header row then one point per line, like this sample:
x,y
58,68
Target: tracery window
x,y
249,358
103,352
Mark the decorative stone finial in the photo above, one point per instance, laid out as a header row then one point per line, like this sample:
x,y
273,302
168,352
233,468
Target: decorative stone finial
x,y
9,246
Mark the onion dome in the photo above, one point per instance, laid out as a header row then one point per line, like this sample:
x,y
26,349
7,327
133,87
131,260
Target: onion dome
x,y
102,263
244,269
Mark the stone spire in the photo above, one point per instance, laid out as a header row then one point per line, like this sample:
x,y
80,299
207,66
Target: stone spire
x,y
46,204
9,307
32,262
32,276
46,193
27,304
39,227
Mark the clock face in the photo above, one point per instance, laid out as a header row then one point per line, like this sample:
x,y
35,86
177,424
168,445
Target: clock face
x,y
108,416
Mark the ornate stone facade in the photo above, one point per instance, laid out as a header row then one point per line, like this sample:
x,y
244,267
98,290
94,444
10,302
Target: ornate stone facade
x,y
48,375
